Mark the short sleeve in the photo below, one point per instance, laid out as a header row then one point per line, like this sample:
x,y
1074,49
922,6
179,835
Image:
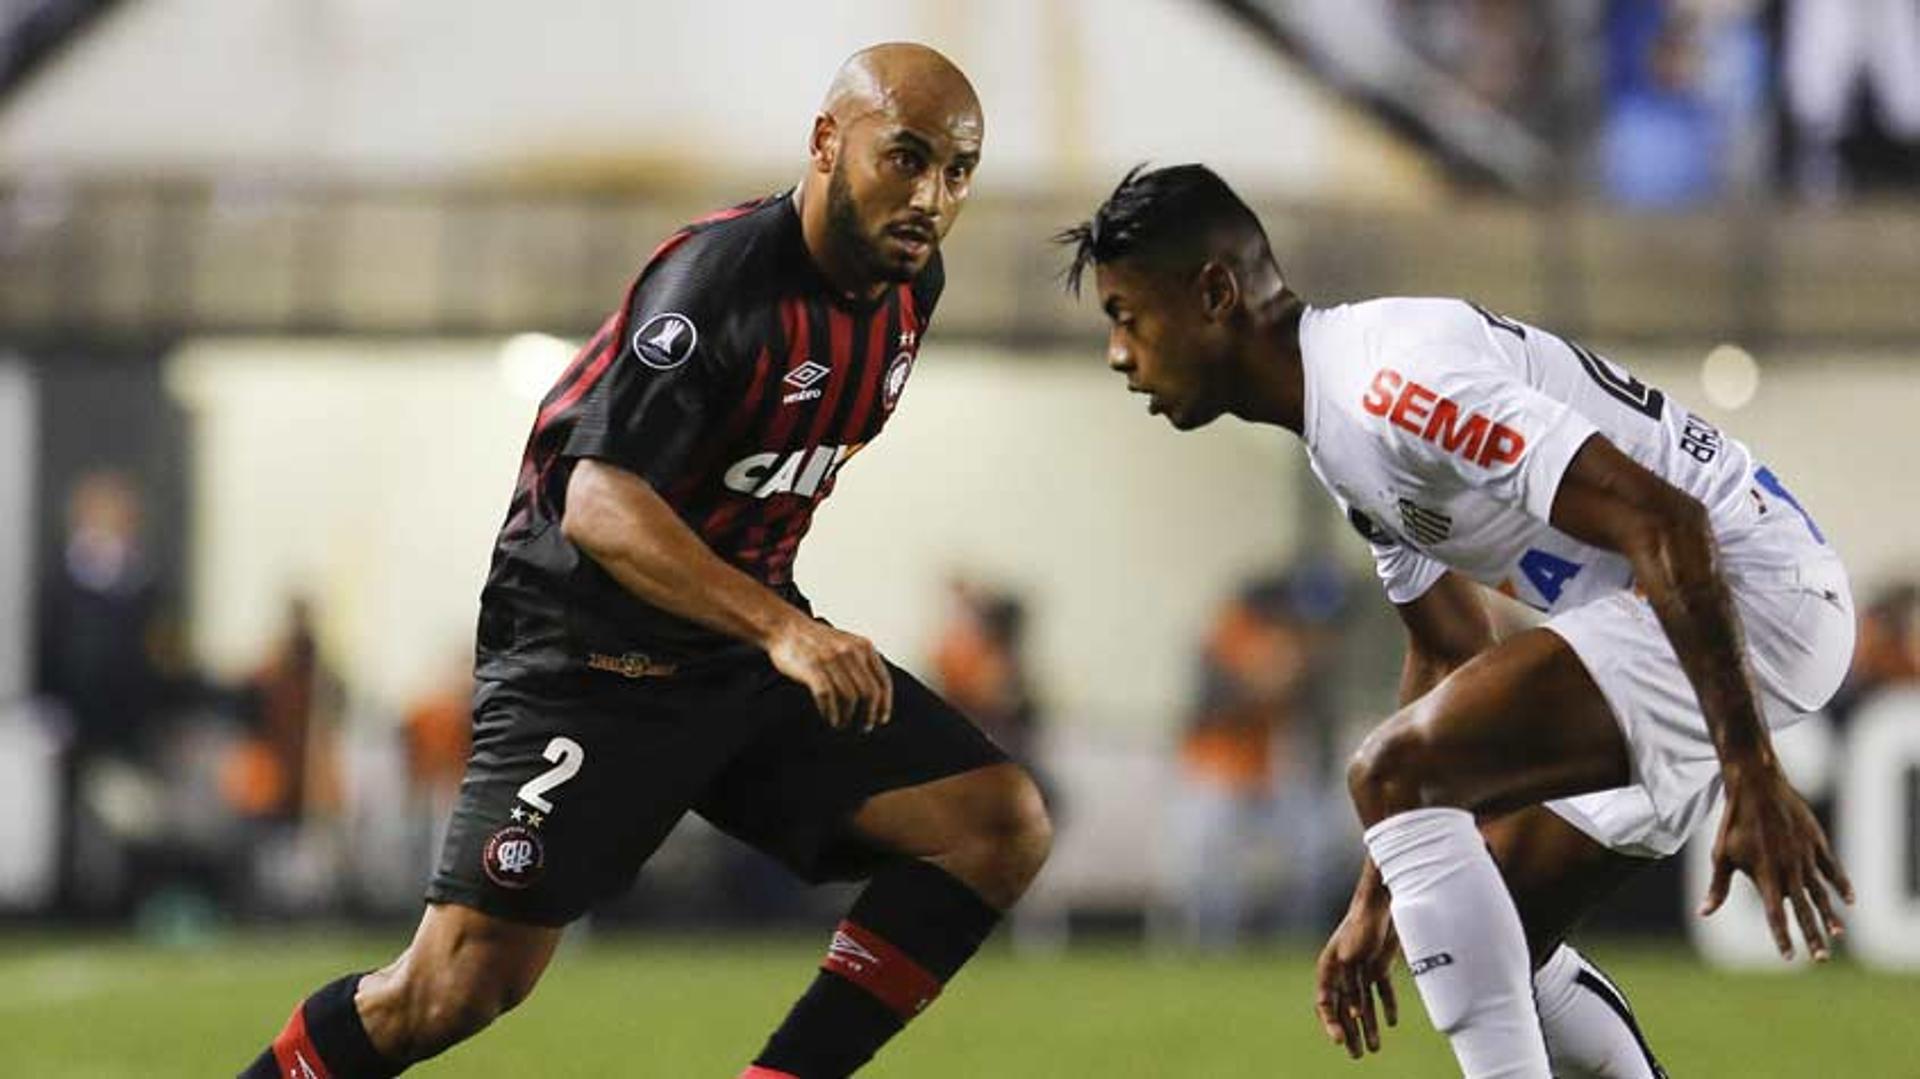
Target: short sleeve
x,y
664,385
1405,574
1455,414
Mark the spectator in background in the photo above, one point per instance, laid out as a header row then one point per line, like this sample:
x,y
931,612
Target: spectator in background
x,y
103,659
978,666
1886,652
1833,51
1499,50
1660,148
1249,788
286,771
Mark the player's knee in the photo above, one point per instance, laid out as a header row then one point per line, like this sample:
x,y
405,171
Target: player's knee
x,y
1015,826
1005,835
1391,771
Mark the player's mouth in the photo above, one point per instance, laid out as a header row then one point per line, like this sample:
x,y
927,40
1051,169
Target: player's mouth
x,y
917,240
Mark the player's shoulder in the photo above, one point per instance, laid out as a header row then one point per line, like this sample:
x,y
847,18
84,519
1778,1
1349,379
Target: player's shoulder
x,y
704,280
709,259
931,281
1409,321
1404,332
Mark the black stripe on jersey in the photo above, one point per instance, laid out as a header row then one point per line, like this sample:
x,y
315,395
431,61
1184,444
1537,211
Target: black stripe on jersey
x,y
864,363
859,363
736,518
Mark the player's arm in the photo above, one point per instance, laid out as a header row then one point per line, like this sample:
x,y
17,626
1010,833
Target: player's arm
x,y
619,521
1447,625
1607,499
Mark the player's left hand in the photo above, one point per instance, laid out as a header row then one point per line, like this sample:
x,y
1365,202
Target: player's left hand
x,y
1352,968
1769,833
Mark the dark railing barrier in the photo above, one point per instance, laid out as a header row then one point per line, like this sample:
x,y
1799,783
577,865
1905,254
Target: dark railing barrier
x,y
117,262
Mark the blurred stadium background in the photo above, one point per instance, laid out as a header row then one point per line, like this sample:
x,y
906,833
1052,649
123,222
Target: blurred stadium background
x,y
281,282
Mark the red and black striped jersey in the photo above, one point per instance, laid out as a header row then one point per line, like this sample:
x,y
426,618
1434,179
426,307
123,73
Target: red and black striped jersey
x,y
738,382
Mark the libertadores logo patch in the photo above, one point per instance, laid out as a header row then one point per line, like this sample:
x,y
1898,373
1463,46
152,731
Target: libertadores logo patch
x,y
664,341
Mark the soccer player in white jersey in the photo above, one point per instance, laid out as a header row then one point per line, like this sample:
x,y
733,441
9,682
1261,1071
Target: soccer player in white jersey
x,y
1692,607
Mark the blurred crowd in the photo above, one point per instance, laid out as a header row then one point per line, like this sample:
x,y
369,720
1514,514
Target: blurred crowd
x,y
1686,101
179,794
182,800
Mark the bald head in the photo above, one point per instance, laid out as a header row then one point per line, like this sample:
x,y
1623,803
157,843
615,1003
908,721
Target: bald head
x,y
907,83
892,157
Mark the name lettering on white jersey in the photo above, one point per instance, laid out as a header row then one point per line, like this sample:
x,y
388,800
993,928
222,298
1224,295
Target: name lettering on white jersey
x,y
799,472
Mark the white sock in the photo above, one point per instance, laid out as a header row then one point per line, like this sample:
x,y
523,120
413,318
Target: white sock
x,y
1589,1028
1463,940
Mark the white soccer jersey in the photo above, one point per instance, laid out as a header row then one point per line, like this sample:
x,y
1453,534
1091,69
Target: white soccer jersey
x,y
1443,431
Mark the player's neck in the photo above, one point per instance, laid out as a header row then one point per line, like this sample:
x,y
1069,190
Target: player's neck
x,y
838,267
1273,383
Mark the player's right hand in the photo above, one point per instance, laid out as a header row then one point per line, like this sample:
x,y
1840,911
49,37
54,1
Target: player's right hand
x,y
1353,967
849,681
1768,832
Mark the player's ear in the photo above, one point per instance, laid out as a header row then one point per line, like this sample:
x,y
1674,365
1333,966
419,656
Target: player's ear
x,y
823,145
1219,289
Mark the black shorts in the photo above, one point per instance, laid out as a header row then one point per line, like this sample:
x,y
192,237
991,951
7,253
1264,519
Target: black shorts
x,y
570,787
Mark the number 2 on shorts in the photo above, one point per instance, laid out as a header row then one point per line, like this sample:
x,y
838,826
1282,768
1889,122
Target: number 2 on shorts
x,y
567,756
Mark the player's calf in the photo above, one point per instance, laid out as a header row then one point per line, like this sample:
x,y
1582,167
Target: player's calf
x,y
972,843
1462,935
463,970
1591,1032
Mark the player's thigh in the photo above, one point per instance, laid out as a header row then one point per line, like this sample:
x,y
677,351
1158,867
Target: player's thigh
x,y
992,804
795,791
1520,723
1556,873
569,789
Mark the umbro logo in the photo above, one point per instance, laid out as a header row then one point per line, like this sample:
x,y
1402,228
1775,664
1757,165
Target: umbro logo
x,y
805,380
850,950
666,340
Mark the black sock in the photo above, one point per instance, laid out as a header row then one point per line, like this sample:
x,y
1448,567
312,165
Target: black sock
x,y
325,1025
906,936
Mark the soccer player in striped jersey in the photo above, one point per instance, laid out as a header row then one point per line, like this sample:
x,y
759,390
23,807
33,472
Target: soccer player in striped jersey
x,y
642,647
1692,607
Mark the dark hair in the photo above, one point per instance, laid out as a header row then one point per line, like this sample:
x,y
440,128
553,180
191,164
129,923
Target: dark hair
x,y
1154,214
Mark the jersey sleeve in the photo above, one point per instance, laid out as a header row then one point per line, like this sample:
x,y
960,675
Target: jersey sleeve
x,y
667,383
1455,413
1405,574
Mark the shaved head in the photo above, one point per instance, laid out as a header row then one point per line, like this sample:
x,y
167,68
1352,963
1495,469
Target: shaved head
x,y
900,79
892,156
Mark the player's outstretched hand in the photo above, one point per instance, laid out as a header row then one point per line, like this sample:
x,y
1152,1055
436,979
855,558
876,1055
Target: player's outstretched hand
x,y
1354,966
1768,833
849,681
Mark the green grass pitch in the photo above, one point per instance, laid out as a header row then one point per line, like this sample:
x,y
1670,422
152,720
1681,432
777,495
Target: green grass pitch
x,y
694,1008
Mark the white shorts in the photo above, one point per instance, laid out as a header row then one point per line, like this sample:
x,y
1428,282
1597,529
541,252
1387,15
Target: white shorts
x,y
1798,624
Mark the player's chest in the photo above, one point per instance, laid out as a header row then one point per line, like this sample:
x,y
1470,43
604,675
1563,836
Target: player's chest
x,y
827,374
